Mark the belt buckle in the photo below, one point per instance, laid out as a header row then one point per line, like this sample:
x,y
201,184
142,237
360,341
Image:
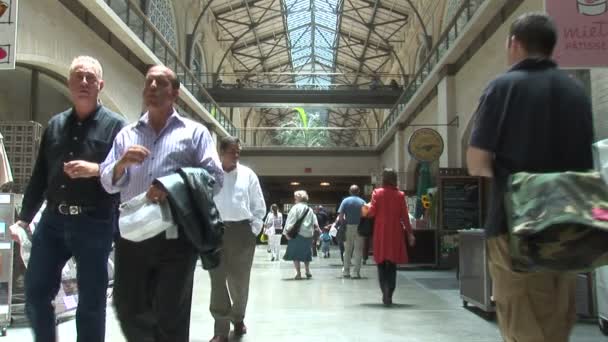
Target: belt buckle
x,y
74,210
65,209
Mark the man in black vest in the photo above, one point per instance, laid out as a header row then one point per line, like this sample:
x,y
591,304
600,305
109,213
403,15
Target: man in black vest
x,y
79,218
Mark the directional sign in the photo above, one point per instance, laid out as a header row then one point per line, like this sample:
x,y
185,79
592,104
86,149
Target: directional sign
x,y
8,33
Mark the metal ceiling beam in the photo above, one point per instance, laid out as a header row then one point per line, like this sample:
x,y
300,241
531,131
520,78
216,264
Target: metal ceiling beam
x,y
249,43
273,67
421,22
369,34
229,8
261,21
255,34
371,29
190,37
287,40
383,7
360,39
232,21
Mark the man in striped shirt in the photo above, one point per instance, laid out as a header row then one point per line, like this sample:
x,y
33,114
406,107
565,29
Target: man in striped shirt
x,y
153,278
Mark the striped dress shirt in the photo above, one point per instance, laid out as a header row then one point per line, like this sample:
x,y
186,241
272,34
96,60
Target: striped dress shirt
x,y
181,143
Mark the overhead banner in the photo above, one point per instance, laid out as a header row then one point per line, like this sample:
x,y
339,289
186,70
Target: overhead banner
x,y
8,33
583,32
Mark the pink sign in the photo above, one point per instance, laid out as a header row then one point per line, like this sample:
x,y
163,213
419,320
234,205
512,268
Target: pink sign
x,y
583,32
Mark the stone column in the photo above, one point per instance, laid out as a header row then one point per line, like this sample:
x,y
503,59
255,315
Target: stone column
x,y
446,112
400,156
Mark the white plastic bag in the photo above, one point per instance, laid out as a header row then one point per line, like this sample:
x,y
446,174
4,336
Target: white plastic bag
x,y
141,219
600,150
333,231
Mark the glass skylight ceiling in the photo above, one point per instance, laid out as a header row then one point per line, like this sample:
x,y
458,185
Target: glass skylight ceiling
x,y
312,26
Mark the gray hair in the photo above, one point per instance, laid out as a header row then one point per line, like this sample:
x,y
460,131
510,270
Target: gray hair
x,y
228,141
389,177
80,60
301,196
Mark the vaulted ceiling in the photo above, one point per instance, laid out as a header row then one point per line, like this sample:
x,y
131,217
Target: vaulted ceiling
x,y
319,43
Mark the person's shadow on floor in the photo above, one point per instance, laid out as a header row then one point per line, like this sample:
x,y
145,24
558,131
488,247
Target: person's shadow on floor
x,y
394,306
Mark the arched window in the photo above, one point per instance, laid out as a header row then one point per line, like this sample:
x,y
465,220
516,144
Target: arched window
x,y
450,11
161,15
199,67
453,6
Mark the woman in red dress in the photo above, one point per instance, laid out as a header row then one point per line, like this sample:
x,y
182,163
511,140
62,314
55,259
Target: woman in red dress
x,y
391,223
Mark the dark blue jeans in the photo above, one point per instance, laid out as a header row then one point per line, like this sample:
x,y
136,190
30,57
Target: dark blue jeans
x,y
57,238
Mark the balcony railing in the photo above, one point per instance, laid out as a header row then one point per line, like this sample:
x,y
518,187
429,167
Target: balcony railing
x,y
461,18
138,22
313,137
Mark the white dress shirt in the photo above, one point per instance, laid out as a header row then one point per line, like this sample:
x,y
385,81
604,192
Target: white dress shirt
x,y
241,198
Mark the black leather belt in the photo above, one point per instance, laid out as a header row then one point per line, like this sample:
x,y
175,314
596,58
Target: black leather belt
x,y
70,209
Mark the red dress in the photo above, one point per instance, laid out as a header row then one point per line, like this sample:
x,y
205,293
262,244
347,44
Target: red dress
x,y
390,212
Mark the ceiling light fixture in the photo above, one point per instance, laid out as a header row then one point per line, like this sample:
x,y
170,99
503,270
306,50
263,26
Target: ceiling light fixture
x,y
294,183
325,184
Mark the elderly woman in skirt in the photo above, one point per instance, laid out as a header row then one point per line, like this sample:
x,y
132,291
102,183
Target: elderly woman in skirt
x,y
299,247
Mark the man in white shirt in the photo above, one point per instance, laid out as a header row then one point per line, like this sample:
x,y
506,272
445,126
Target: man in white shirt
x,y
242,208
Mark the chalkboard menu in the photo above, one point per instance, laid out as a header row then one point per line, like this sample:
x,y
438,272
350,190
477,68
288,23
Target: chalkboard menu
x,y
460,202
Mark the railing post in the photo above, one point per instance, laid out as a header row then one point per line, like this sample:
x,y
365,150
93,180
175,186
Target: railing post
x,y
143,36
154,43
128,13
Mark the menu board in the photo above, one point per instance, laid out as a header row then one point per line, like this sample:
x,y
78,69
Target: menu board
x,y
460,203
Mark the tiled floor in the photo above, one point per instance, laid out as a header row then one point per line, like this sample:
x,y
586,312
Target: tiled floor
x,y
328,308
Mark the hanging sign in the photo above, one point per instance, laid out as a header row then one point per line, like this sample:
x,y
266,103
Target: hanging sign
x,y
8,33
582,32
425,145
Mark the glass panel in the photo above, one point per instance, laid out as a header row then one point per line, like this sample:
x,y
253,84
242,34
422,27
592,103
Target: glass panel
x,y
136,24
161,15
120,8
160,51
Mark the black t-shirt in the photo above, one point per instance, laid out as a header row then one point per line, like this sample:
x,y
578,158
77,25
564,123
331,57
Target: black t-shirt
x,y
534,118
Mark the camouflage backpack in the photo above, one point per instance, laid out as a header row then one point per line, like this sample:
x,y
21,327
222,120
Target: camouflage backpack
x,y
551,225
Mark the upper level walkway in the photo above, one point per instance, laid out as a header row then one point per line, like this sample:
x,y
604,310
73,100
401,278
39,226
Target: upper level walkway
x,y
384,97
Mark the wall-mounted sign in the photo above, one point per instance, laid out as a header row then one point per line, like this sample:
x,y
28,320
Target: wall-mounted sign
x,y
425,145
583,32
8,33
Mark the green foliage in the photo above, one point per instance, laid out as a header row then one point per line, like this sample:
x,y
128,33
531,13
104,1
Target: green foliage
x,y
296,131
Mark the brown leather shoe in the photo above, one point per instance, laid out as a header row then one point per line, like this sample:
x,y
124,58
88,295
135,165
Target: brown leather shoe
x,y
240,328
219,339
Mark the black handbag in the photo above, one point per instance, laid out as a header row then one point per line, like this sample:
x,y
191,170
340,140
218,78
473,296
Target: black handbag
x,y
366,227
293,232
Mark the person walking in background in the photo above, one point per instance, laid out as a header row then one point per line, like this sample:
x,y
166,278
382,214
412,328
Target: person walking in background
x,y
79,217
153,278
298,247
389,210
242,208
325,242
322,219
350,212
274,231
520,125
